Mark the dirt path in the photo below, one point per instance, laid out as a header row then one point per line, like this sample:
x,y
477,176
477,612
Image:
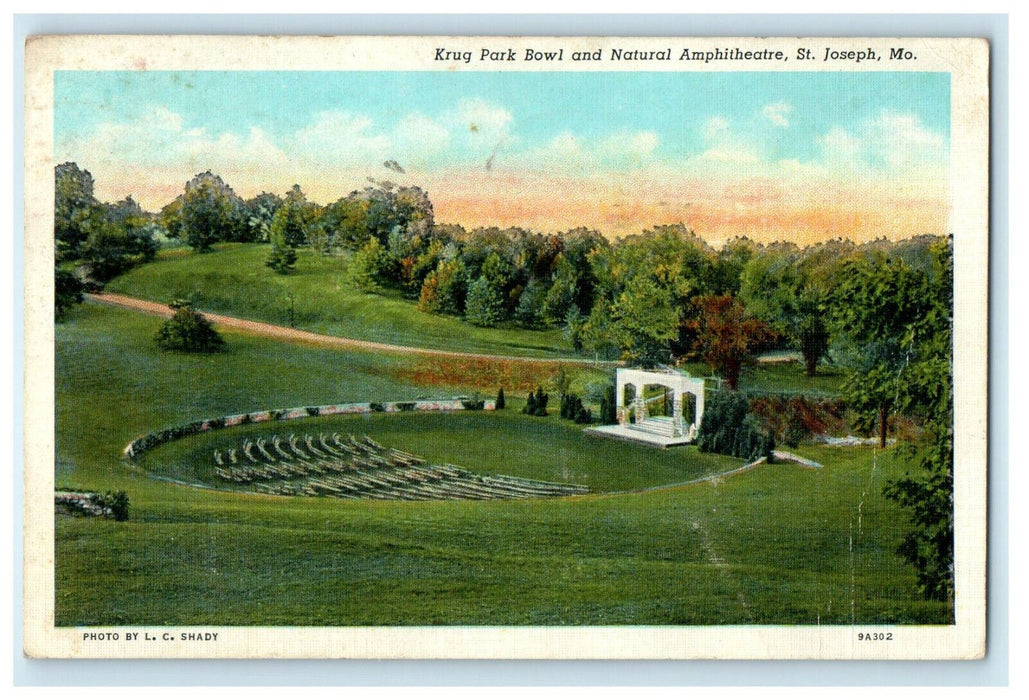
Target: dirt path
x,y
269,330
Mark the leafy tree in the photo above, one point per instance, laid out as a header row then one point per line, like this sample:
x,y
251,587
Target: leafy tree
x,y
288,230
643,322
67,291
783,290
881,306
812,334
501,402
189,331
484,305
530,303
726,336
210,212
119,237
258,213
367,267
928,492
73,203
444,289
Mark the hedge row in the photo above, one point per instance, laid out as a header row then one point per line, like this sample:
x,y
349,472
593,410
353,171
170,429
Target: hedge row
x,y
135,449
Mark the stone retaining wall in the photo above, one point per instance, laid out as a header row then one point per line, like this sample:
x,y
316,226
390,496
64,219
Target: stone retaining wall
x,y
135,449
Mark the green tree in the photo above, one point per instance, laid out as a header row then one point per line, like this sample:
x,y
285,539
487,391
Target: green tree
x,y
369,265
444,289
927,490
73,203
290,221
288,230
282,258
881,306
210,212
643,322
118,237
778,288
258,213
189,331
484,305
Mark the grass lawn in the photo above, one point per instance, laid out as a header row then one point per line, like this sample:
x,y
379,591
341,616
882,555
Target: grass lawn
x,y
776,545
487,442
234,280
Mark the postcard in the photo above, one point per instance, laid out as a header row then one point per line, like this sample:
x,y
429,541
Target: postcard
x,y
505,347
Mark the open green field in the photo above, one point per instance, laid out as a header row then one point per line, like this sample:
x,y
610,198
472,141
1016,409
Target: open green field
x,y
775,545
233,280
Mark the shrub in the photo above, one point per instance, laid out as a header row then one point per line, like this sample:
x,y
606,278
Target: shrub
x,y
583,416
377,407
405,406
114,502
246,419
541,402
501,403
729,428
473,404
216,423
276,415
793,419
608,408
67,291
189,331
313,410
530,405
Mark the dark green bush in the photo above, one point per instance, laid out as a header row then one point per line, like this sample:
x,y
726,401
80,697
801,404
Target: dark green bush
x,y
189,331
377,407
116,502
501,403
313,410
729,428
608,409
474,404
537,403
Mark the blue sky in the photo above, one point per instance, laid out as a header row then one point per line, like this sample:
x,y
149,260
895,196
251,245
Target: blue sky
x,y
328,131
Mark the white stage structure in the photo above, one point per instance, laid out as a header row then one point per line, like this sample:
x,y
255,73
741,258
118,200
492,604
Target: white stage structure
x,y
635,415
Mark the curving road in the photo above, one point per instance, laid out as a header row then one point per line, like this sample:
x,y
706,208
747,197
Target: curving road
x,y
292,334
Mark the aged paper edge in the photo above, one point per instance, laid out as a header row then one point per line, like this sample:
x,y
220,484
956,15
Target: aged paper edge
x,y
965,59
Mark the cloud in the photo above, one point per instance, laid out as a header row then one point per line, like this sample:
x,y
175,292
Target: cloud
x,y
715,128
571,154
890,142
725,147
777,113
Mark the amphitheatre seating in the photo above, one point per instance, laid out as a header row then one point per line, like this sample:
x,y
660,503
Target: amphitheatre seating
x,y
358,467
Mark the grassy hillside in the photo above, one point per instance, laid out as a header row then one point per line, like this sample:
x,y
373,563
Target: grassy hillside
x,y
234,280
776,545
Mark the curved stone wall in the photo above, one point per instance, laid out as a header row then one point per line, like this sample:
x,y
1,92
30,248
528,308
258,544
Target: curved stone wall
x,y
138,447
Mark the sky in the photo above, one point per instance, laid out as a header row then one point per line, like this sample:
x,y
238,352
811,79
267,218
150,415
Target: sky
x,y
773,156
